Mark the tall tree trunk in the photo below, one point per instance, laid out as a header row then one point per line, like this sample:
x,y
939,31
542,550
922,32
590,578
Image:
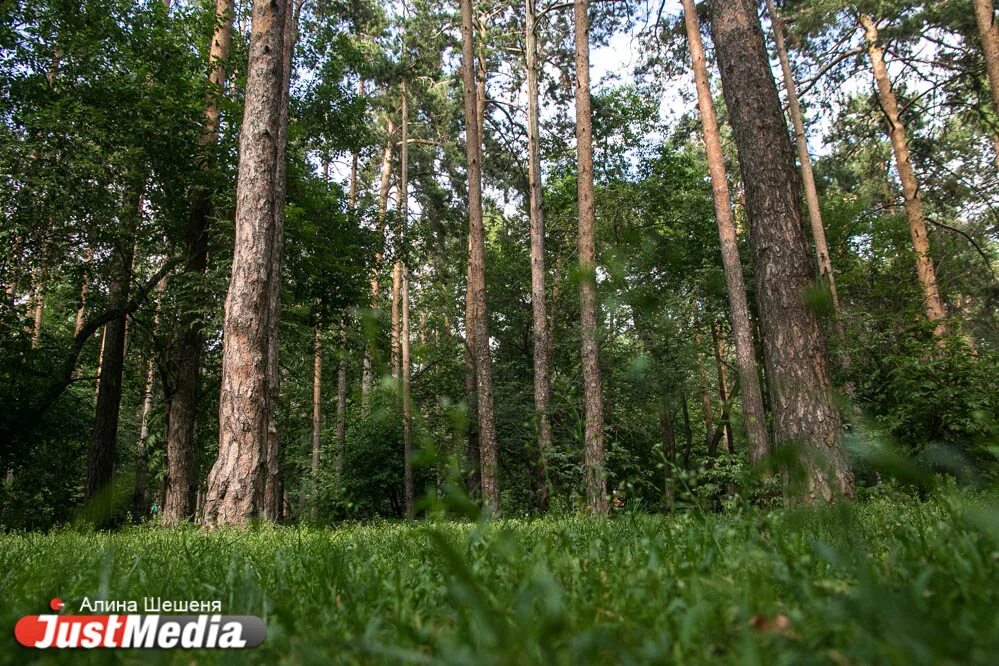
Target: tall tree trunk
x,y
488,448
273,479
722,385
341,407
805,161
103,442
383,192
542,379
754,420
932,302
235,483
317,413
702,385
404,338
667,436
593,453
139,500
185,366
795,351
989,34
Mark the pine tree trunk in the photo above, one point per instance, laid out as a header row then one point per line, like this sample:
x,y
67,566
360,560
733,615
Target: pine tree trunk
x,y
409,494
593,453
383,192
235,483
272,454
754,420
925,270
181,481
989,34
38,305
796,360
103,442
477,254
542,379
804,160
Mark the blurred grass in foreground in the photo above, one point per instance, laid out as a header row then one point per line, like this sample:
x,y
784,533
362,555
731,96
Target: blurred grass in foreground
x,y
887,579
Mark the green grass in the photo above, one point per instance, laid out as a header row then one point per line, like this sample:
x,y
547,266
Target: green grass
x,y
887,580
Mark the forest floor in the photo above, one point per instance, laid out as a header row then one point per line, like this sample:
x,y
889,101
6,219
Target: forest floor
x,y
889,579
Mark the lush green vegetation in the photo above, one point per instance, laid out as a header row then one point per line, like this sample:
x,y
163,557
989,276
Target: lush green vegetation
x,y
888,579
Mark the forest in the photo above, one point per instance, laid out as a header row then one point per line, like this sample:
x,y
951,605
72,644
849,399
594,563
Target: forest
x,y
602,331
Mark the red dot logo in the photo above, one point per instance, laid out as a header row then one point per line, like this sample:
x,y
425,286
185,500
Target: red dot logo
x,y
56,604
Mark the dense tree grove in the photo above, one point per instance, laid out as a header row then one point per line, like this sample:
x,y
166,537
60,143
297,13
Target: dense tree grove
x,y
306,260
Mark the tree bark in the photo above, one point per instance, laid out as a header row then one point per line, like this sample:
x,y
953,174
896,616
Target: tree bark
x,y
722,385
235,484
103,442
341,407
403,337
794,345
407,406
593,452
477,253
317,413
185,367
989,34
667,436
383,192
754,420
139,501
804,160
542,379
273,480
925,270
38,305
81,310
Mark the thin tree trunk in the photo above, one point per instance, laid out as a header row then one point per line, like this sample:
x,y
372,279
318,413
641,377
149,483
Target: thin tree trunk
x,y
483,364
182,482
688,432
81,310
795,351
722,384
702,384
807,176
754,420
593,452
317,414
668,438
404,337
38,306
235,483
341,406
103,442
139,493
542,379
932,302
383,192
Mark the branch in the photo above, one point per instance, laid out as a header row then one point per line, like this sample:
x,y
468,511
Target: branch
x,y
65,376
810,83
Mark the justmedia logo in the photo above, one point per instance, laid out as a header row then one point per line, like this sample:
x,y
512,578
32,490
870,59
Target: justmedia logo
x,y
139,631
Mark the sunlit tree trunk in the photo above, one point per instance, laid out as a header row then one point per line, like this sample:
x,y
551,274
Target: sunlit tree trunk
x,y
925,270
542,379
804,160
754,421
989,34
383,193
38,304
403,337
593,408
341,407
235,484
272,455
477,254
797,365
185,366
